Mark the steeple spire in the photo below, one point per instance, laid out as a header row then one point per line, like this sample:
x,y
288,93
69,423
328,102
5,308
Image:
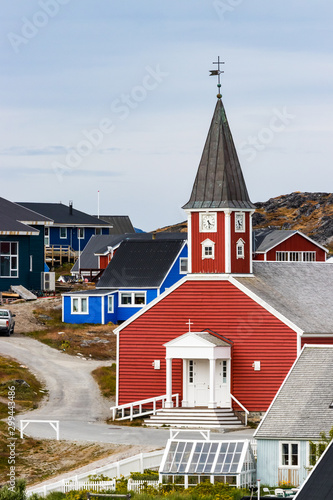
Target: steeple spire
x,y
219,182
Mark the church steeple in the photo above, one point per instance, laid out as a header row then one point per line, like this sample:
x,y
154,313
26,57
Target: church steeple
x,y
219,209
219,182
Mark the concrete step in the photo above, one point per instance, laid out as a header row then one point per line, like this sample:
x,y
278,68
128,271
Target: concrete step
x,y
216,418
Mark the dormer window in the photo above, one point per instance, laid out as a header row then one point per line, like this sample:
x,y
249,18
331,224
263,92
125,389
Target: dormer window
x,y
240,253
208,249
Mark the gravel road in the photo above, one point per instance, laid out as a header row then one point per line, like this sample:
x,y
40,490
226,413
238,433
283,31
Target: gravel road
x,y
72,392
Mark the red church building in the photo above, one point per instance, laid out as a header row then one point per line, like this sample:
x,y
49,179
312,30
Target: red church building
x,y
225,336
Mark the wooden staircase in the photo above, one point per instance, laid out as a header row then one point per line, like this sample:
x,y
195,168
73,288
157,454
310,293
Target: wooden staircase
x,y
217,418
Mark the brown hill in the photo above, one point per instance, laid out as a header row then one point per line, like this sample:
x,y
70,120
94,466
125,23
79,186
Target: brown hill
x,y
310,213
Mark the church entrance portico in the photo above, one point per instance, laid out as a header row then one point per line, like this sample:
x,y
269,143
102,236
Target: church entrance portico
x,y
206,370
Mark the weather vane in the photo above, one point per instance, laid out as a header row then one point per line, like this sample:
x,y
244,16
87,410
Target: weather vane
x,y
217,72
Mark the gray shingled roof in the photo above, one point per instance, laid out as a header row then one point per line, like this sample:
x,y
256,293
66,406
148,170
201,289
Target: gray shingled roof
x,y
265,239
301,291
212,339
301,409
121,224
219,182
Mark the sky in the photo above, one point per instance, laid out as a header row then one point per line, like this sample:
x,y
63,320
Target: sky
x,y
107,103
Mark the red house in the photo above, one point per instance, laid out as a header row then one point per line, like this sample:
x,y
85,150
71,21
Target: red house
x,y
226,335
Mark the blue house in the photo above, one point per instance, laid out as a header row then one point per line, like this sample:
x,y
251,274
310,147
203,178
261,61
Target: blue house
x,y
139,271
289,436
70,227
21,246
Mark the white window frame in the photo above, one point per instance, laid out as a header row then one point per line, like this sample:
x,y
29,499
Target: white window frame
x,y
79,299
182,261
60,236
13,271
289,443
79,229
31,263
240,245
302,256
208,244
110,300
239,215
132,294
98,231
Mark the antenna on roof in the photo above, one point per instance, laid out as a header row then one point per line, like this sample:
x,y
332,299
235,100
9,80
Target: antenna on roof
x,y
217,72
98,204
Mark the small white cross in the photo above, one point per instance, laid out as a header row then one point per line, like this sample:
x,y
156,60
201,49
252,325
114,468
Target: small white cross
x,y
189,325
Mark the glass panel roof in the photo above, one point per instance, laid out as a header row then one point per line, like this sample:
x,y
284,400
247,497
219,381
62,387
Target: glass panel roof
x,y
204,457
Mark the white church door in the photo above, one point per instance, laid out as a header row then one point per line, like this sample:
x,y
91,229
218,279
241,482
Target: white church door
x,y
222,388
198,383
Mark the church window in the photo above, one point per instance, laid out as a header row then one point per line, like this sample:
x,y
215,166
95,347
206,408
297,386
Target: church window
x,y
240,254
190,371
296,256
208,249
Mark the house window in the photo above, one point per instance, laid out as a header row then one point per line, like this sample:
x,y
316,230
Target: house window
x,y
315,450
133,298
98,230
208,249
240,253
46,236
80,233
289,454
79,305
183,265
63,232
110,304
8,259
296,256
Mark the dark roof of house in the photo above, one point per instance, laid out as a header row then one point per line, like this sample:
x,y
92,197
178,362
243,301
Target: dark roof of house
x,y
300,291
15,218
121,224
219,182
319,483
140,264
301,408
63,214
98,245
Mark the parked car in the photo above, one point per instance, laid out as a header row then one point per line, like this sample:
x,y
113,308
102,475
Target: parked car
x,y
7,322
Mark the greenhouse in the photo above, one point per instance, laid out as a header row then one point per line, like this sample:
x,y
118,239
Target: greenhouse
x,y
189,462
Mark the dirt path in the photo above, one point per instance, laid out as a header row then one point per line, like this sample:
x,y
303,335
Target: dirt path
x,y
72,392
25,320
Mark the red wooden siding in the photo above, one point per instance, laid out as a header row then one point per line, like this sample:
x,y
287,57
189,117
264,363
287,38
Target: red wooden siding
x,y
200,265
221,307
258,256
316,340
297,243
104,261
240,265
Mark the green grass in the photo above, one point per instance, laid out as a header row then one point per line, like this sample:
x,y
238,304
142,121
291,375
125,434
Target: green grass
x,y
105,376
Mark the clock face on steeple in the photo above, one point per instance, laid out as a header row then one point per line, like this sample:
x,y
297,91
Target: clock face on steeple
x,y
207,222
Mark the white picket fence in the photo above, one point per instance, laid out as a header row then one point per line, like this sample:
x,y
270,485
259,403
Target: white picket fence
x,y
137,463
139,485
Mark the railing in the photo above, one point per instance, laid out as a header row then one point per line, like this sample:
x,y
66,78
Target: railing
x,y
141,412
243,407
137,463
139,485
60,252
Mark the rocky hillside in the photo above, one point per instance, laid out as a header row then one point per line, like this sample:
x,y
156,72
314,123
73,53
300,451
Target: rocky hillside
x,y
310,213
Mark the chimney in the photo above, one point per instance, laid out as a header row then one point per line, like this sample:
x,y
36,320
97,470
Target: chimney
x,y
70,208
